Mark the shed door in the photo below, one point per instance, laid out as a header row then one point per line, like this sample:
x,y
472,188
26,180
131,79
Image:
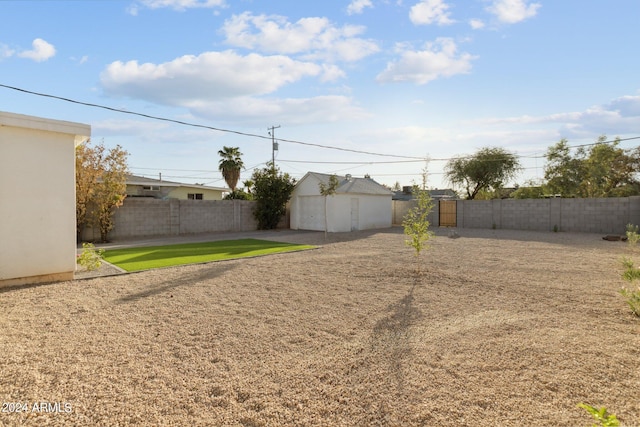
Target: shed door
x,y
355,214
448,213
311,213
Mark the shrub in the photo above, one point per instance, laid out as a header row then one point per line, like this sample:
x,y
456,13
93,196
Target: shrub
x,y
90,258
632,235
271,190
238,195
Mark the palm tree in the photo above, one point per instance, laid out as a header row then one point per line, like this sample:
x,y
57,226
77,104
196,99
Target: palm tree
x,y
248,185
230,165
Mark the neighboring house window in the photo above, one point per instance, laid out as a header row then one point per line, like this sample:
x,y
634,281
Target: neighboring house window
x,y
194,196
151,188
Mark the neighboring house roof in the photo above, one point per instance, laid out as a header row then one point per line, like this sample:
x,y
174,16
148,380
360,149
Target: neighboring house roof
x,y
140,180
351,185
434,194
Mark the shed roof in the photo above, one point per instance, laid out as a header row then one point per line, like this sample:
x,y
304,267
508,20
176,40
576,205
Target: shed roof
x,y
352,185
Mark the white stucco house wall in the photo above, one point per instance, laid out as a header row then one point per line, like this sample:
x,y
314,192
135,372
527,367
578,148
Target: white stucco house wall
x,y
358,204
37,198
138,186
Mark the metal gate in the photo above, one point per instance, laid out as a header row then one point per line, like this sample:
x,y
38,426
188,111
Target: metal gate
x,y
448,213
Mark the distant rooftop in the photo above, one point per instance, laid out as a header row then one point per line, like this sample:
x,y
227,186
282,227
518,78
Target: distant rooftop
x,y
141,180
348,184
439,194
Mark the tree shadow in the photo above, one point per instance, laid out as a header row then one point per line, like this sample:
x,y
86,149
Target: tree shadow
x,y
393,332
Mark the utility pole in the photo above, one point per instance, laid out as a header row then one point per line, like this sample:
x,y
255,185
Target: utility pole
x,y
274,145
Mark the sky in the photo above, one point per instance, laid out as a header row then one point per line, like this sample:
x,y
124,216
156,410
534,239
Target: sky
x,y
388,88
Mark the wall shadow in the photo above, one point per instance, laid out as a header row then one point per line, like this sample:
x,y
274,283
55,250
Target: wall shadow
x,y
209,271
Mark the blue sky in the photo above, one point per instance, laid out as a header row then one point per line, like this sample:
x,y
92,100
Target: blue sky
x,y
386,82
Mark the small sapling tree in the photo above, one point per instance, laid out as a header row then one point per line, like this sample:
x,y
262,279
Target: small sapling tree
x,y
328,189
632,235
604,418
416,222
632,296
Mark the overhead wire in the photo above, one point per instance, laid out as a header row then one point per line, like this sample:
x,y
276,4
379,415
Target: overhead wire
x,y
197,125
410,159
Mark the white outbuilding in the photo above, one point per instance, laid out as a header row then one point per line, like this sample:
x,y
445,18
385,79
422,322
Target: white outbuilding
x,y
358,204
37,198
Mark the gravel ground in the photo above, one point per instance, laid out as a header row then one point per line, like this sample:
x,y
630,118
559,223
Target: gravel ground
x,y
494,328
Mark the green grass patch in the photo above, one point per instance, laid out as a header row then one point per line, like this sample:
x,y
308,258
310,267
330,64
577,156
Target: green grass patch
x,y
147,257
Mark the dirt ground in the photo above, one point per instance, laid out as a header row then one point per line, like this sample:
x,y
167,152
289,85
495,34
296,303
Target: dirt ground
x,y
500,328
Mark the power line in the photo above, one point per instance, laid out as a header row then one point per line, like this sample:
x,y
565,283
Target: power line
x,y
412,159
351,163
197,125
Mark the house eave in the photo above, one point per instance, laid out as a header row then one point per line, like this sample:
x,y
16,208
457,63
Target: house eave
x,y
81,131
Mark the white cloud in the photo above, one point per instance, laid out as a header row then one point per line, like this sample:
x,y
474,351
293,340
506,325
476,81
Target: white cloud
x,y
476,24
429,12
438,59
210,75
5,51
179,4
230,86
41,51
80,60
513,11
356,7
331,73
321,109
312,38
621,116
626,106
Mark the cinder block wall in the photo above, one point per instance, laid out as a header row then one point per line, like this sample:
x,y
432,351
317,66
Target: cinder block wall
x,y
139,217
601,215
597,215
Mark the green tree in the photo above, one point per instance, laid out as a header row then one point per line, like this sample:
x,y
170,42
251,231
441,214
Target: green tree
x,y
271,191
101,187
328,189
488,169
610,171
563,172
603,170
230,165
248,185
88,170
531,190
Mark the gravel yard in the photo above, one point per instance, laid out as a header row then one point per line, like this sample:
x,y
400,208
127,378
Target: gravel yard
x,y
498,328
